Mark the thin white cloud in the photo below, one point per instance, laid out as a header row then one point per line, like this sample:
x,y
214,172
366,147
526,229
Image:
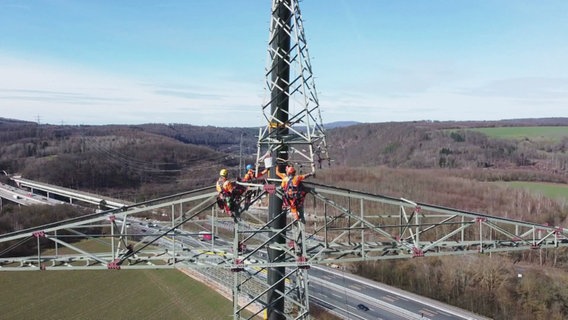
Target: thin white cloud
x,y
71,94
74,95
526,88
438,104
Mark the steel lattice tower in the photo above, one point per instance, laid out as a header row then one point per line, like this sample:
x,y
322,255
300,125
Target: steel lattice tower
x,y
294,131
344,226
293,135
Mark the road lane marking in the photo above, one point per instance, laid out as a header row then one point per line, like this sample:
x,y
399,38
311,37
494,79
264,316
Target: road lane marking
x,y
356,287
337,296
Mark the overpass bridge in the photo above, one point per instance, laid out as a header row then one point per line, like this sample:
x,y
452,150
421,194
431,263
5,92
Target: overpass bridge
x,y
36,189
23,197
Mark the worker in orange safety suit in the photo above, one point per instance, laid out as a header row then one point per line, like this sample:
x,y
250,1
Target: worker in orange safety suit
x,y
250,175
223,183
228,194
294,192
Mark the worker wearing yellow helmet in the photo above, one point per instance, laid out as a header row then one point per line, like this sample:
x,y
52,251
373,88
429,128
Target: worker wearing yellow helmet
x,y
229,192
223,177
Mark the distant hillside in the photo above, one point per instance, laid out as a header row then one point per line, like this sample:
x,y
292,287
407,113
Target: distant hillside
x,y
126,161
339,124
6,121
447,145
151,159
220,139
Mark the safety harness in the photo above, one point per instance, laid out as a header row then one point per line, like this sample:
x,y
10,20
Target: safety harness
x,y
294,192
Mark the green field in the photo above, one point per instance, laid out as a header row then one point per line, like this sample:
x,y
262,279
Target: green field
x,y
520,133
551,190
549,134
112,294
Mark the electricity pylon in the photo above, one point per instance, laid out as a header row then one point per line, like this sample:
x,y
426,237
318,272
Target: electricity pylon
x,y
294,135
294,131
267,260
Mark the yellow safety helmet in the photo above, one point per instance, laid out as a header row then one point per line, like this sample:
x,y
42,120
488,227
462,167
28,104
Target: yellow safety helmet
x,y
223,173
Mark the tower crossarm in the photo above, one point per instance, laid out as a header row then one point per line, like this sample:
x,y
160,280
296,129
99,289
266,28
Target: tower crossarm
x,y
378,227
341,225
122,236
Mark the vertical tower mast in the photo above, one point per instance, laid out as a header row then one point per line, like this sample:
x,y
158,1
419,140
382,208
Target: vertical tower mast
x,y
293,134
294,130
278,80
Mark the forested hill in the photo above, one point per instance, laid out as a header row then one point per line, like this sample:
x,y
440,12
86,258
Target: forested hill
x,y
145,159
458,145
159,158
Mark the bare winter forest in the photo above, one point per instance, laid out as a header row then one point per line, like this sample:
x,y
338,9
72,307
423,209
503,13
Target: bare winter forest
x,y
443,163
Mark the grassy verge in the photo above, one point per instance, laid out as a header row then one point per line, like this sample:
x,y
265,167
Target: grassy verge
x,y
550,134
551,190
126,294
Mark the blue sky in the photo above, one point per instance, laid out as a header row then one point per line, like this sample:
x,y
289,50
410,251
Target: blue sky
x,y
202,62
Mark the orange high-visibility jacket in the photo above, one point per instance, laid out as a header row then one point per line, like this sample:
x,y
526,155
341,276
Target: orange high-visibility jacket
x,y
249,176
290,187
224,185
219,185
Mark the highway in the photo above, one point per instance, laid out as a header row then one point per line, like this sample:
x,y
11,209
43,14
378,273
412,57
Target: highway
x,y
68,193
341,292
344,301
24,197
346,291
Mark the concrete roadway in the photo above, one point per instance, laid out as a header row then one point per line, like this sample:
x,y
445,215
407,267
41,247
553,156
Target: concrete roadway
x,y
23,197
346,291
342,292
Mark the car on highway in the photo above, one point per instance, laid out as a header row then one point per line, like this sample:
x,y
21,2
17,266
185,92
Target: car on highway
x,y
362,307
204,235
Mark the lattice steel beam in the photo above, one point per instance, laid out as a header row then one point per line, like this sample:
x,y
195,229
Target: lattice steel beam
x,y
296,130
